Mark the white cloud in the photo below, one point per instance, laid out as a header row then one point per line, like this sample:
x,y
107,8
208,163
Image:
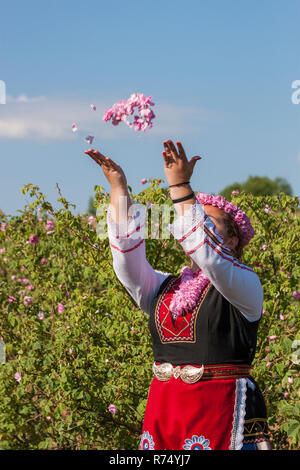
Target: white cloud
x,y
24,99
41,118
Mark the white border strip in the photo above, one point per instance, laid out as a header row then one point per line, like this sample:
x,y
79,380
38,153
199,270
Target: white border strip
x,y
237,434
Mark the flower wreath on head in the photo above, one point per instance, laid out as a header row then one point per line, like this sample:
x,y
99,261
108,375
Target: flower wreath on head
x,y
192,284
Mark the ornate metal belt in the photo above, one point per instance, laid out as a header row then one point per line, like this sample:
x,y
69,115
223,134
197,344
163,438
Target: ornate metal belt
x,y
191,374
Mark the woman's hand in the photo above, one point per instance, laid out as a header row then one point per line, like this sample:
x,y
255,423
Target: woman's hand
x,y
118,184
177,167
112,172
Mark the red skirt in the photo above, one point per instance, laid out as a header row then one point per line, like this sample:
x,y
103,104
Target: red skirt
x,y
206,415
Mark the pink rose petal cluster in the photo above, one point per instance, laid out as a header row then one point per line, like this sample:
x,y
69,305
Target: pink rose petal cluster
x,y
190,288
60,308
241,219
124,108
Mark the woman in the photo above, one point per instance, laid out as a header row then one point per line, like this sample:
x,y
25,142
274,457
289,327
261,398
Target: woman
x,y
203,323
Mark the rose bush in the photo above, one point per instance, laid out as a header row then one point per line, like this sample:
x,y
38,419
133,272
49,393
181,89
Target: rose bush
x,y
78,352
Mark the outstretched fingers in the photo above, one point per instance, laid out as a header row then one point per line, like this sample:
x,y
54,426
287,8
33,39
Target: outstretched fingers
x,y
171,149
181,151
98,157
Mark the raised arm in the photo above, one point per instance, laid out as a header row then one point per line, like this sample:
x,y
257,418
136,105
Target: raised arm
x,y
204,239
126,224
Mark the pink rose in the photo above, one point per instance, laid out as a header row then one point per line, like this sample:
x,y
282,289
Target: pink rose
x,y
41,316
18,377
11,299
92,221
34,239
272,338
49,225
27,300
144,181
113,409
60,308
43,261
296,294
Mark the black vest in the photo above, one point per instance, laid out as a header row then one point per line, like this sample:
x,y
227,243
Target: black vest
x,y
215,332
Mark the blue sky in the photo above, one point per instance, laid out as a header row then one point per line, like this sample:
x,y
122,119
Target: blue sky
x,y
220,73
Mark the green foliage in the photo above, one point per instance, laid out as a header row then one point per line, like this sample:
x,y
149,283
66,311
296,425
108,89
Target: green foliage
x,y
91,206
75,362
259,186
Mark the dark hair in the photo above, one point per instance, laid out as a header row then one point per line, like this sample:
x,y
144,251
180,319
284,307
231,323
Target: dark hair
x,y
232,230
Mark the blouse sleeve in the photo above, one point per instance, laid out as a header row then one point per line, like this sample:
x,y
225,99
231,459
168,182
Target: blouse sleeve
x,y
127,243
238,283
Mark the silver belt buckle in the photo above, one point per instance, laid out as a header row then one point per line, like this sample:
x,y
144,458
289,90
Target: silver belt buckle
x,y
189,374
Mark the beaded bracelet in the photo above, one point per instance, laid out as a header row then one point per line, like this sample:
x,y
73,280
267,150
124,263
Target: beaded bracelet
x,y
184,198
179,184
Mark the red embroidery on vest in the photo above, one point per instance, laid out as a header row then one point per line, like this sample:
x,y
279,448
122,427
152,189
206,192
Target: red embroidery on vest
x,y
183,329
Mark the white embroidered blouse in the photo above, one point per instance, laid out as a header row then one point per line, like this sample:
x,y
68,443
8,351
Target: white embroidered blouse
x,y
199,238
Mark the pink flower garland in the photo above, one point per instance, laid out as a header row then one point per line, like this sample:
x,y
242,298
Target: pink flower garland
x,y
190,288
119,112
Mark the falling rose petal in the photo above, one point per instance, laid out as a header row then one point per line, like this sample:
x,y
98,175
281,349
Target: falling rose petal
x,y
74,127
93,107
89,139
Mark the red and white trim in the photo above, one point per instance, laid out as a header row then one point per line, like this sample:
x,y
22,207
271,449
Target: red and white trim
x,y
129,249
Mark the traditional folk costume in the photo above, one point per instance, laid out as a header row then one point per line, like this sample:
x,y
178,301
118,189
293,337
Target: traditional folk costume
x,y
204,330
